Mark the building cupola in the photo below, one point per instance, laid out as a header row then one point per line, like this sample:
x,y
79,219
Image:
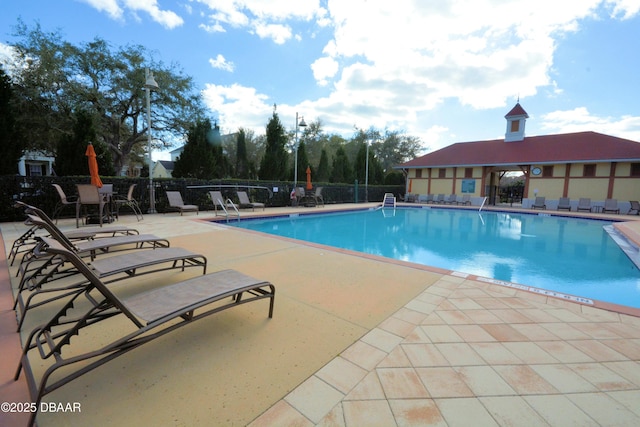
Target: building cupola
x,y
516,119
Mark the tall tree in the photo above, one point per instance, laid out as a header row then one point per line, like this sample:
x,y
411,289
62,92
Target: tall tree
x,y
57,78
12,146
341,169
202,157
395,147
314,140
323,172
274,162
376,176
255,151
303,162
242,162
70,149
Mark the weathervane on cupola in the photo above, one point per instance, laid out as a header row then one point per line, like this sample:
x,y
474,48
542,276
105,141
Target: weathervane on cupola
x,y
516,119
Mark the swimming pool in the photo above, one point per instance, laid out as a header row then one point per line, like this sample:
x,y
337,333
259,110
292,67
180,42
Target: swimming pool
x,y
567,255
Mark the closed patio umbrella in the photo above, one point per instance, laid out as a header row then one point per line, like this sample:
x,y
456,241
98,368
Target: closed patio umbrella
x,y
309,186
93,166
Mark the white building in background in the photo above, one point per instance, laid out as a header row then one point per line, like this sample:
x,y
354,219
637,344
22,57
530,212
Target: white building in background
x,y
36,163
176,153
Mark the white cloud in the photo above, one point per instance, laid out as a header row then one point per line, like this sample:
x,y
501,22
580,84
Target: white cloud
x,y
277,32
6,54
580,120
166,18
111,7
277,10
231,16
323,69
215,28
263,18
624,9
480,52
388,64
238,106
221,63
11,62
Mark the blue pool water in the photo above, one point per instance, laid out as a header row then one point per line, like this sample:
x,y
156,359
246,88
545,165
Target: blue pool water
x,y
566,255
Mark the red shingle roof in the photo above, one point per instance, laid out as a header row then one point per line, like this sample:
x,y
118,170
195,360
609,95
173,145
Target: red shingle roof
x,y
565,148
517,111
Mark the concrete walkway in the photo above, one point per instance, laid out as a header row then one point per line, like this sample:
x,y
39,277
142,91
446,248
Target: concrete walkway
x,y
355,340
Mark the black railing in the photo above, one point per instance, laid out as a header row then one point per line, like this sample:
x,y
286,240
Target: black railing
x,y
38,191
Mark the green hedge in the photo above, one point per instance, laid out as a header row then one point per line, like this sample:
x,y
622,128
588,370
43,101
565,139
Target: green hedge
x,y
38,191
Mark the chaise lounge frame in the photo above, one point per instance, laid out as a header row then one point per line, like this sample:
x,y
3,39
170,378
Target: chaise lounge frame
x,y
151,314
114,268
90,246
32,265
245,202
29,238
539,203
176,202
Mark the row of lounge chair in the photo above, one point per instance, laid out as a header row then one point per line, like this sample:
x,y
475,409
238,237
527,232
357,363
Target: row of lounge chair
x,y
585,205
176,202
452,199
78,279
90,195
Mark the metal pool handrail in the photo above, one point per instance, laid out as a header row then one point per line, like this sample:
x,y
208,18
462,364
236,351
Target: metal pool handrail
x,y
484,200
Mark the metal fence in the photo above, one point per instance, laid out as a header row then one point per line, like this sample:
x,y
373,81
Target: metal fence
x,y
38,191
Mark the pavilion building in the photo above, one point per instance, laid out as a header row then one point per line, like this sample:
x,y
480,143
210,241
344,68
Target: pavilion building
x,y
574,165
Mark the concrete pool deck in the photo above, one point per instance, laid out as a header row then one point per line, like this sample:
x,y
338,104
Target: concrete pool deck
x,y
355,340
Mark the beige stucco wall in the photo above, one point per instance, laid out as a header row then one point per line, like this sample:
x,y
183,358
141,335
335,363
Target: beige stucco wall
x,y
593,188
625,187
551,188
419,186
441,186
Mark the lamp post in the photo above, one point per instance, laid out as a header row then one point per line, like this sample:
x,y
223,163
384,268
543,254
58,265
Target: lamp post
x,y
301,124
366,175
150,84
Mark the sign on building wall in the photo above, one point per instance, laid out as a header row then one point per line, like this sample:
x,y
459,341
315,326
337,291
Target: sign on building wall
x,y
468,185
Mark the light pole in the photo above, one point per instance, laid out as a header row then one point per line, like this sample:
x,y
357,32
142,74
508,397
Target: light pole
x,y
366,175
150,84
301,124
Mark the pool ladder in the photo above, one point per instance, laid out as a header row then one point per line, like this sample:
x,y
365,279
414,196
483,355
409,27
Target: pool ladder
x,y
389,201
484,200
230,203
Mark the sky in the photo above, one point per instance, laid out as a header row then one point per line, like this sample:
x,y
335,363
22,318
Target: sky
x,y
445,71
